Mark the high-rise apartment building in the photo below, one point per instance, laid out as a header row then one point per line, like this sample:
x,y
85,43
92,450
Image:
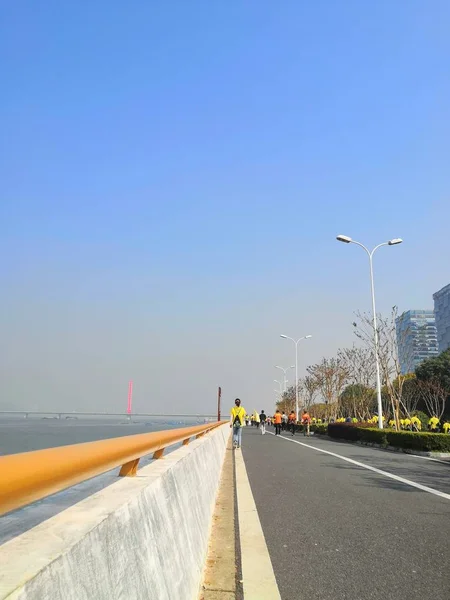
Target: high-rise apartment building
x,y
442,314
416,338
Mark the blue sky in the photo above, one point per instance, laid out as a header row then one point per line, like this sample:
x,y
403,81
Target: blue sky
x,y
174,174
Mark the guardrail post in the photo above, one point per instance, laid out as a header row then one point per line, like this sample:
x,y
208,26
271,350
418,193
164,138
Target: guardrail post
x,y
158,453
199,435
129,469
186,441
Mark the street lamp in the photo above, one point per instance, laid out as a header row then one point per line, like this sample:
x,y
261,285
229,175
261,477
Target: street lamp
x,y
305,337
280,391
284,371
348,240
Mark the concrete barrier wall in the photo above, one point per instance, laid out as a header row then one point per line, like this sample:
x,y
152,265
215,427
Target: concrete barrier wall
x,y
140,538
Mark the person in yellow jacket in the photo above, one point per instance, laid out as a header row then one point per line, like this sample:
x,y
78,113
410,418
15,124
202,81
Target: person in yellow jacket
x,y
416,423
237,422
446,427
433,424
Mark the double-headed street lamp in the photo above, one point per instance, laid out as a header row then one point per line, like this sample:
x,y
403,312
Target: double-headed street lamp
x,y
280,391
284,378
305,337
348,240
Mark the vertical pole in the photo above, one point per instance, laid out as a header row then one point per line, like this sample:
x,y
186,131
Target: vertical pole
x,y
375,339
130,398
296,379
219,396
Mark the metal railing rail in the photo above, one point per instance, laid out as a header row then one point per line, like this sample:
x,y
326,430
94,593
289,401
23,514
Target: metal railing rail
x,y
104,414
31,476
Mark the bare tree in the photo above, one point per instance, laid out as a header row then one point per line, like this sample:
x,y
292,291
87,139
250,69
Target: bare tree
x,y
410,394
287,401
330,376
358,397
391,374
360,365
434,395
308,390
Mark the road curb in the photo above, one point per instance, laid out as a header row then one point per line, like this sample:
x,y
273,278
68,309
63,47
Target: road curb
x,y
219,578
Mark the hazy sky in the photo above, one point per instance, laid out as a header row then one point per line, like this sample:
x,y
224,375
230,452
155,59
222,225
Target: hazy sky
x,y
173,175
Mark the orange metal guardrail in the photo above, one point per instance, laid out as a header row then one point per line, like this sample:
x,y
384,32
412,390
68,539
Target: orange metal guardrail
x,y
31,476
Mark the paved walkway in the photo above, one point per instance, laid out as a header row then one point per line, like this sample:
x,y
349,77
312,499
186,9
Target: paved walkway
x,y
348,522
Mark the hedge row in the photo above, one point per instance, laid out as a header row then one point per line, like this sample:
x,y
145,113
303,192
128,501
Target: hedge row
x,y
317,429
410,440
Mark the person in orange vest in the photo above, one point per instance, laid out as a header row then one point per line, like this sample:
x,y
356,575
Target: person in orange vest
x,y
306,421
292,421
277,420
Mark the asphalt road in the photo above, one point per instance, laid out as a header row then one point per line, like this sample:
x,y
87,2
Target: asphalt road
x,y
336,530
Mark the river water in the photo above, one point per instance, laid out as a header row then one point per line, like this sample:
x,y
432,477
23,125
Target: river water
x,y
18,434
23,435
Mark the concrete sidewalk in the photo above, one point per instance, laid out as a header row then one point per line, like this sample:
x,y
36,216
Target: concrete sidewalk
x,y
335,529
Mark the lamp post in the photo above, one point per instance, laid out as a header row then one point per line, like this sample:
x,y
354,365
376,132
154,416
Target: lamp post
x,y
280,391
348,240
305,337
284,378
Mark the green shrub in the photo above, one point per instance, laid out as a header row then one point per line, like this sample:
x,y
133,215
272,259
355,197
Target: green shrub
x,y
367,424
424,418
343,431
409,440
319,429
426,442
372,435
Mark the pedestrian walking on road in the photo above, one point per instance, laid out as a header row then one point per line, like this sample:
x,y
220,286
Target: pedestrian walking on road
x,y
237,422
284,421
306,421
263,419
277,419
292,421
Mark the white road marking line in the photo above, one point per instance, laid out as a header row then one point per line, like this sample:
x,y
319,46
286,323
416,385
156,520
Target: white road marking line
x,y
438,460
419,486
257,570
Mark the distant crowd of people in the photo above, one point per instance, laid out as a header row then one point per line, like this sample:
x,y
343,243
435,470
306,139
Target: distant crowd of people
x,y
239,418
288,422
415,424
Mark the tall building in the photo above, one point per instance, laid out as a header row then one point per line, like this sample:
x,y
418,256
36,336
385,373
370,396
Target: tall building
x,y
416,338
442,314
